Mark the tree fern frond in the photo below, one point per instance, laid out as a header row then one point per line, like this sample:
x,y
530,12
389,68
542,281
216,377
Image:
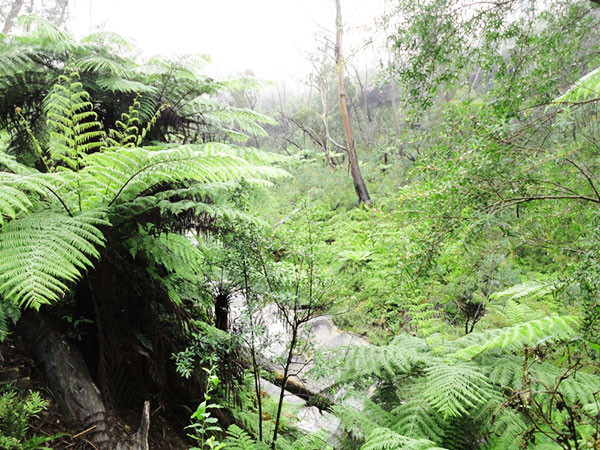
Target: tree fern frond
x,y
454,389
18,191
104,65
506,428
530,290
416,419
172,251
45,33
42,252
504,371
73,124
513,312
386,439
244,83
355,422
530,333
124,85
109,39
124,173
402,355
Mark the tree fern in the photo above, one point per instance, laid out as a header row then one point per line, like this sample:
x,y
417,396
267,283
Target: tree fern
x,y
121,174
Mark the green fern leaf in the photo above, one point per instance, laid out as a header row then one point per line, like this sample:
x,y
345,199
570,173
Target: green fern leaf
x,y
455,389
42,252
530,333
385,439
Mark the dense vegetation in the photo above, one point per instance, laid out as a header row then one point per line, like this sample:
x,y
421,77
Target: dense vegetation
x,y
153,218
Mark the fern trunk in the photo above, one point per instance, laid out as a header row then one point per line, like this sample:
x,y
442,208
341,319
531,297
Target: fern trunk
x,y
75,392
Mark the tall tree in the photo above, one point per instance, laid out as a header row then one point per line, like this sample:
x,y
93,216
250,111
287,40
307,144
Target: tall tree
x,y
359,183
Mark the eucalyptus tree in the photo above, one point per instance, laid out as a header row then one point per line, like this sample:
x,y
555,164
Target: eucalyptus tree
x,y
359,183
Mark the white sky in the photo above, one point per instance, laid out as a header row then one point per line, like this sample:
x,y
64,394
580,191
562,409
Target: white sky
x,y
269,37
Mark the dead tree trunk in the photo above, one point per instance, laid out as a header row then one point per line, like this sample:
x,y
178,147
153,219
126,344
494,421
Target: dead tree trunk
x,y
359,183
76,394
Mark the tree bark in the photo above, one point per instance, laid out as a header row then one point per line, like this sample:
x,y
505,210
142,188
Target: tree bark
x,y
359,183
14,11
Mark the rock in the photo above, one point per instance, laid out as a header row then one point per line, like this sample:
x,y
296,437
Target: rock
x,y
311,420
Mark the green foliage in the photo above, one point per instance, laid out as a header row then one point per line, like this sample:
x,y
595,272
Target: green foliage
x,y
383,438
72,123
37,272
446,394
203,422
238,439
9,314
16,412
586,87
43,251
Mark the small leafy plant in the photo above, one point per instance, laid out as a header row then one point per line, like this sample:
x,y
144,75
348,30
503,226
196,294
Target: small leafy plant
x,y
203,423
16,411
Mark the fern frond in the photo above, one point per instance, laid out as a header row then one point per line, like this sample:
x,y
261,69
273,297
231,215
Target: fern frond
x,y
124,173
504,371
74,127
416,419
43,252
172,251
9,313
403,355
355,422
104,65
585,87
45,33
454,389
124,85
109,39
18,191
386,439
553,328
506,428
530,290
238,439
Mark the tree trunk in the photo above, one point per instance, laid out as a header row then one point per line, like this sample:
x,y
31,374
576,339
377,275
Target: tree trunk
x,y
69,380
359,184
222,311
324,115
14,11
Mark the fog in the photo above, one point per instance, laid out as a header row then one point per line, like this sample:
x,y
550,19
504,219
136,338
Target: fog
x,y
269,37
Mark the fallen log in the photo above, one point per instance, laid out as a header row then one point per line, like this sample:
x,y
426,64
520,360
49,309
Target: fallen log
x,y
314,395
